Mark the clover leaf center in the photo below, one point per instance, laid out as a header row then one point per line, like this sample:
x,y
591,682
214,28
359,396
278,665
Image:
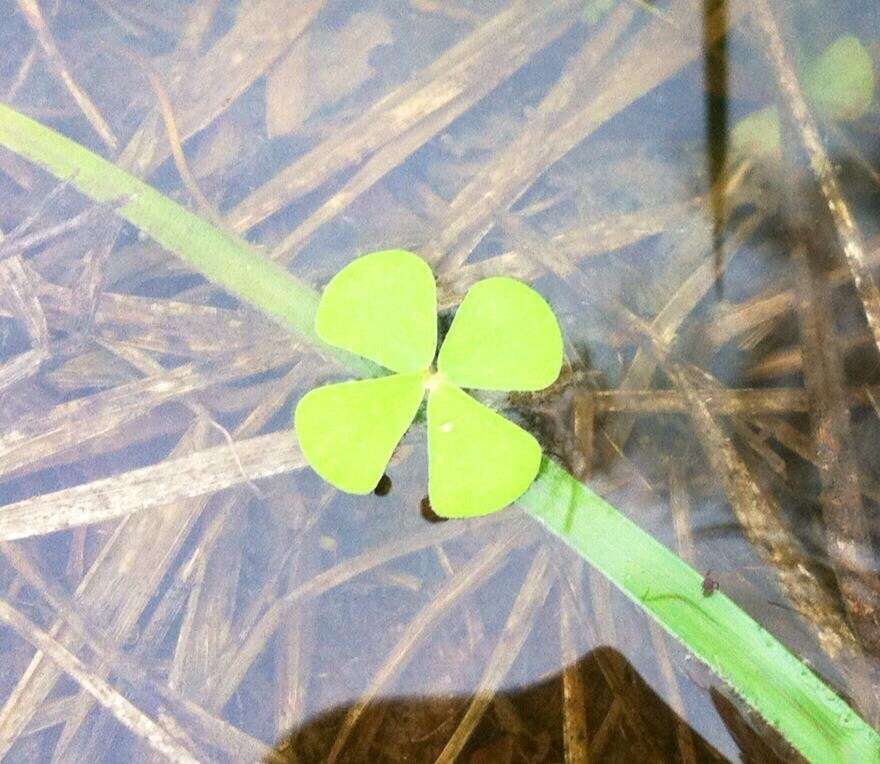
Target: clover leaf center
x,y
432,379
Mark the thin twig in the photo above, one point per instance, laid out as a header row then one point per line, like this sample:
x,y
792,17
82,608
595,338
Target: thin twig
x,y
574,694
34,17
180,161
125,712
722,402
21,76
850,548
528,602
848,233
187,477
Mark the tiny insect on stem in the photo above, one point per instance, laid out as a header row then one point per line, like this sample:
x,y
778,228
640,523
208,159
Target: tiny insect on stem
x,y
710,585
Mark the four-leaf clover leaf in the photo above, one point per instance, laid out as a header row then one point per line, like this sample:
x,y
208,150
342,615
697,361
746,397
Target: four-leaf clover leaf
x,y
383,306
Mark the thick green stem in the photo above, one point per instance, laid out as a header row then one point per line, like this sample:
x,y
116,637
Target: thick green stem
x,y
763,672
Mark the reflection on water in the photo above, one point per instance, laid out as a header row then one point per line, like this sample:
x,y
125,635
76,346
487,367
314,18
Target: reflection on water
x,y
664,184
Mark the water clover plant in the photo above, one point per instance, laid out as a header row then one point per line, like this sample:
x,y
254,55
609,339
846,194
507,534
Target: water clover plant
x,y
839,85
383,306
757,667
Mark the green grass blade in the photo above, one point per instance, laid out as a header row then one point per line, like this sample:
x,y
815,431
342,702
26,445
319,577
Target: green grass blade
x,y
766,675
227,261
784,691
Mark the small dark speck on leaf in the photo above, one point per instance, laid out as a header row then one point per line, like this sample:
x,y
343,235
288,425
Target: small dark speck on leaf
x,y
383,487
428,513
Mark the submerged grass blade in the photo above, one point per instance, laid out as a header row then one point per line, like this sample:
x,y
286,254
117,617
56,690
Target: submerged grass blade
x,y
223,259
778,686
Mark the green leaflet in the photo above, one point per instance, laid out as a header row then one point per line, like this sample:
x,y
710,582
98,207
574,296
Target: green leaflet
x,y
778,686
840,83
347,432
757,135
504,337
383,306
478,461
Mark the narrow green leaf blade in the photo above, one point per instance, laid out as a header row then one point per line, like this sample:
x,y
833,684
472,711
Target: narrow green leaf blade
x,y
766,675
347,432
383,306
478,461
503,337
224,259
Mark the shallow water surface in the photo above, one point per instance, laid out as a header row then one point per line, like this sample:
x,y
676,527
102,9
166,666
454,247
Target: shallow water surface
x,y
721,384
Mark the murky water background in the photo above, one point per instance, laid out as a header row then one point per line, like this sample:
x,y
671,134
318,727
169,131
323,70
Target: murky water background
x,y
583,147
